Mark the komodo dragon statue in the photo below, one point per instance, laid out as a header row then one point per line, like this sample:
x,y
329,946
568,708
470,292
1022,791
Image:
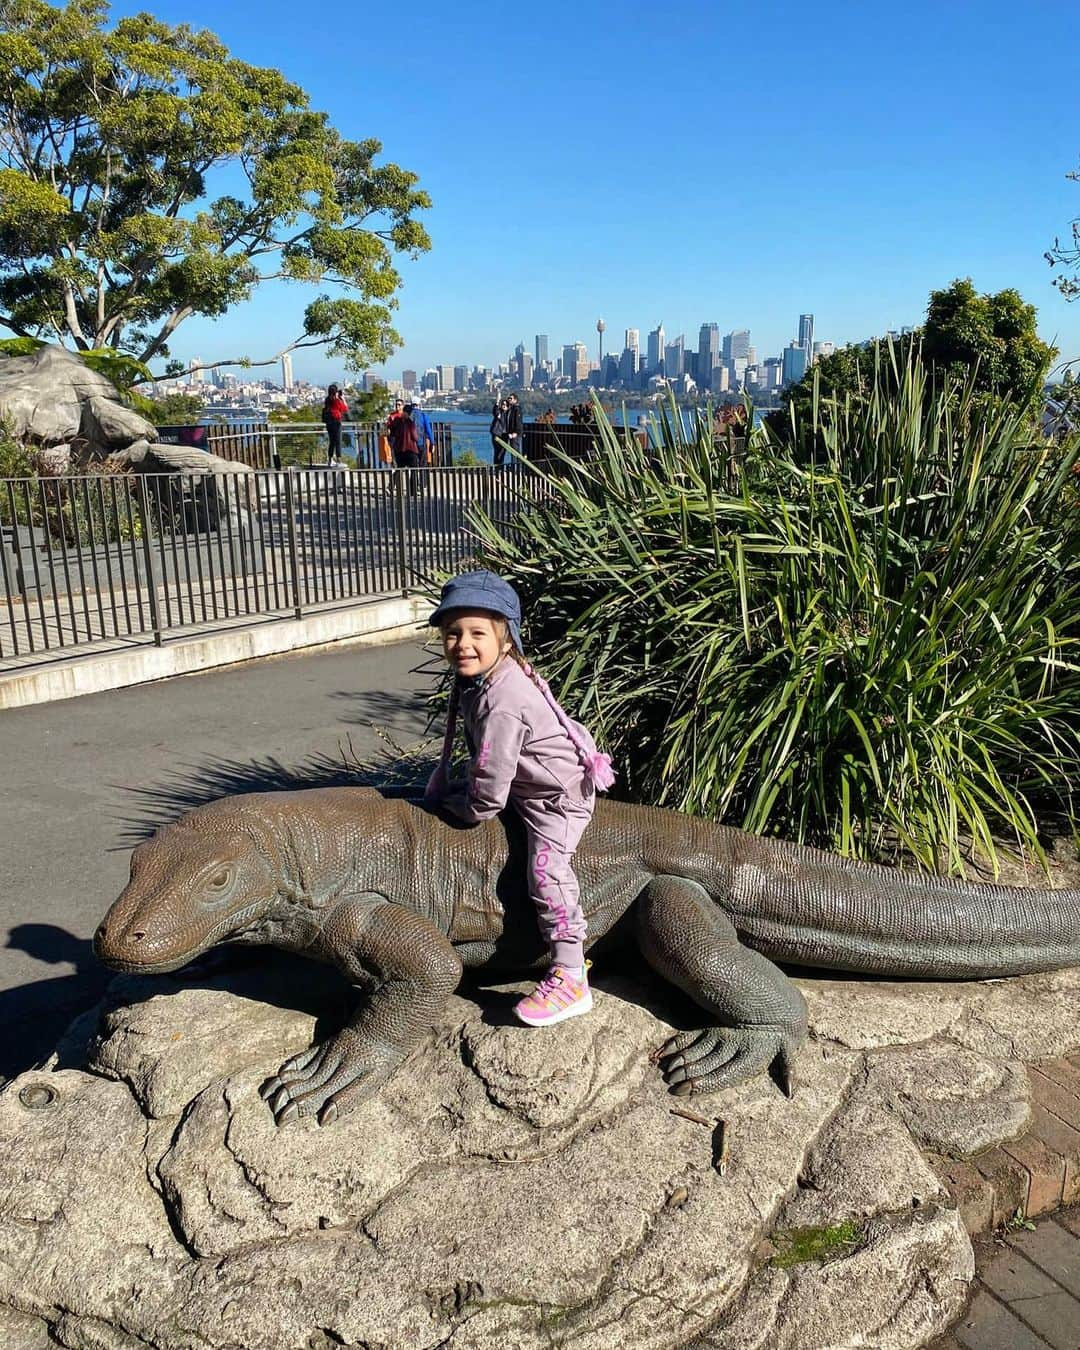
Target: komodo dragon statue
x,y
400,899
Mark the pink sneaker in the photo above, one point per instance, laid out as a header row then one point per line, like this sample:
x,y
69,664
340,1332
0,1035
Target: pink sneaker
x,y
559,995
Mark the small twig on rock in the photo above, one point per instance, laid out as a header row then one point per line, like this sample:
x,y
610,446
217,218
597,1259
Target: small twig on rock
x,y
691,1115
721,1141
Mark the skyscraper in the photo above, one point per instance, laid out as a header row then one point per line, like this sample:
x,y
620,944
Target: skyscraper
x,y
408,380
286,372
541,343
673,357
796,362
446,378
708,353
737,344
628,361
526,370
575,362
461,379
655,362
806,335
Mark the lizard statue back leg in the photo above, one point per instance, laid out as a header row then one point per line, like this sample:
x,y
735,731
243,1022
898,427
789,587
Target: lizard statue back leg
x,y
759,1017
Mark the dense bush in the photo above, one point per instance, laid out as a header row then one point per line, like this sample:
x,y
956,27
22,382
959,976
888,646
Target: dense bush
x,y
872,649
987,344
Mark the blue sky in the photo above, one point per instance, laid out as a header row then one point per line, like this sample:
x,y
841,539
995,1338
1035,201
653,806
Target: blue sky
x,y
684,163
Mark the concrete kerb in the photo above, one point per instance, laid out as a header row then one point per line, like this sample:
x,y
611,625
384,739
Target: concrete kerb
x,y
389,620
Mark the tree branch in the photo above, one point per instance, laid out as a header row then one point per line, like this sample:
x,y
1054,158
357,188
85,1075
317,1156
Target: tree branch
x,y
71,314
16,328
244,361
166,330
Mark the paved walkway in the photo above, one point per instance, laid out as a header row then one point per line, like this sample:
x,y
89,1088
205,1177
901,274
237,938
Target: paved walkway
x,y
1028,1293
86,777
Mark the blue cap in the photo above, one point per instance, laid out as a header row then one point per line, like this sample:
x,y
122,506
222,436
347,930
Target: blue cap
x,y
481,590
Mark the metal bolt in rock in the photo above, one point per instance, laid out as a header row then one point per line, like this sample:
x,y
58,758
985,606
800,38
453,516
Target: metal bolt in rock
x,y
38,1096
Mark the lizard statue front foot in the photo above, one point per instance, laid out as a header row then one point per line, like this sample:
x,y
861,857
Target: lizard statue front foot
x,y
407,968
720,1057
329,1078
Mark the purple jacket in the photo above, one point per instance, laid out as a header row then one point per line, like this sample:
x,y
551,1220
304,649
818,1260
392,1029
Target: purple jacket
x,y
520,753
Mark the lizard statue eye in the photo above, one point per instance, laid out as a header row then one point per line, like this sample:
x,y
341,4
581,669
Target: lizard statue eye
x,y
220,879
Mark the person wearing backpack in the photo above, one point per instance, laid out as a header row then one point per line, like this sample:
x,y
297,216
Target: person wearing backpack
x,y
513,428
425,436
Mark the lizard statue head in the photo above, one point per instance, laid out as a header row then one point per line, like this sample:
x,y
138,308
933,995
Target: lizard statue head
x,y
196,883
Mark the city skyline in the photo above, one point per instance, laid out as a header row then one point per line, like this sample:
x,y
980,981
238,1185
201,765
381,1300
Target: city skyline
x,y
908,167
677,361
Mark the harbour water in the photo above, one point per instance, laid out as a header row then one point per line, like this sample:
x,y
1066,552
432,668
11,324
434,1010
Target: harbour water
x,y
470,430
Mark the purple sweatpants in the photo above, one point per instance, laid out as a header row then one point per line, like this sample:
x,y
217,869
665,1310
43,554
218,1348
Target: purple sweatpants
x,y
553,829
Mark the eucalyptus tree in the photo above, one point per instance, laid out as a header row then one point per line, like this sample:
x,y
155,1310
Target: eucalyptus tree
x,y
147,176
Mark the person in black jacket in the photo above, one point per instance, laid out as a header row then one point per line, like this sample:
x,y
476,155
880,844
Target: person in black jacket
x,y
513,429
498,430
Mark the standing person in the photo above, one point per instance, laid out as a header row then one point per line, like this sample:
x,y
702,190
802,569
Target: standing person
x,y
513,425
528,752
402,434
498,431
334,408
398,410
425,436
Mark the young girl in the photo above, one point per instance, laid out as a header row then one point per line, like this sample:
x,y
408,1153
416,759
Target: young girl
x,y
527,751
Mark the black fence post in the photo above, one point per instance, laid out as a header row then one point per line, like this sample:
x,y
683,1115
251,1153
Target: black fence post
x,y
294,562
402,525
153,570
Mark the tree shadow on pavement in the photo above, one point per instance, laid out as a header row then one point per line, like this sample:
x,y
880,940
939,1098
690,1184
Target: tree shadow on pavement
x,y
393,770
394,709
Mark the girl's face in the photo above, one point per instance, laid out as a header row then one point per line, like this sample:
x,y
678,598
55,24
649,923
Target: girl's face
x,y
473,642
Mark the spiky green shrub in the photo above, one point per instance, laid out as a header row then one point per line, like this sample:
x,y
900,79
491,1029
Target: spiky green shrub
x,y
870,650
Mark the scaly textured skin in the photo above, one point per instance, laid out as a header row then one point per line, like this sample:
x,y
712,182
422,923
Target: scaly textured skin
x,y
400,899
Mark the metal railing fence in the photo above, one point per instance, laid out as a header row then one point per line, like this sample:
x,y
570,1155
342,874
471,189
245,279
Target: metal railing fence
x,y
101,559
262,445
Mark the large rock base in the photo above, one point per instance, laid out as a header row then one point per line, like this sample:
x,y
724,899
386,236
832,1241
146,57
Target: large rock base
x,y
507,1187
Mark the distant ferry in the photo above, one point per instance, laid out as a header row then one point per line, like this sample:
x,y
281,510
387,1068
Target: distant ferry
x,y
236,413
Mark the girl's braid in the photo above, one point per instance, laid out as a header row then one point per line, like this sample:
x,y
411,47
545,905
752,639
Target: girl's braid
x,y
598,770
